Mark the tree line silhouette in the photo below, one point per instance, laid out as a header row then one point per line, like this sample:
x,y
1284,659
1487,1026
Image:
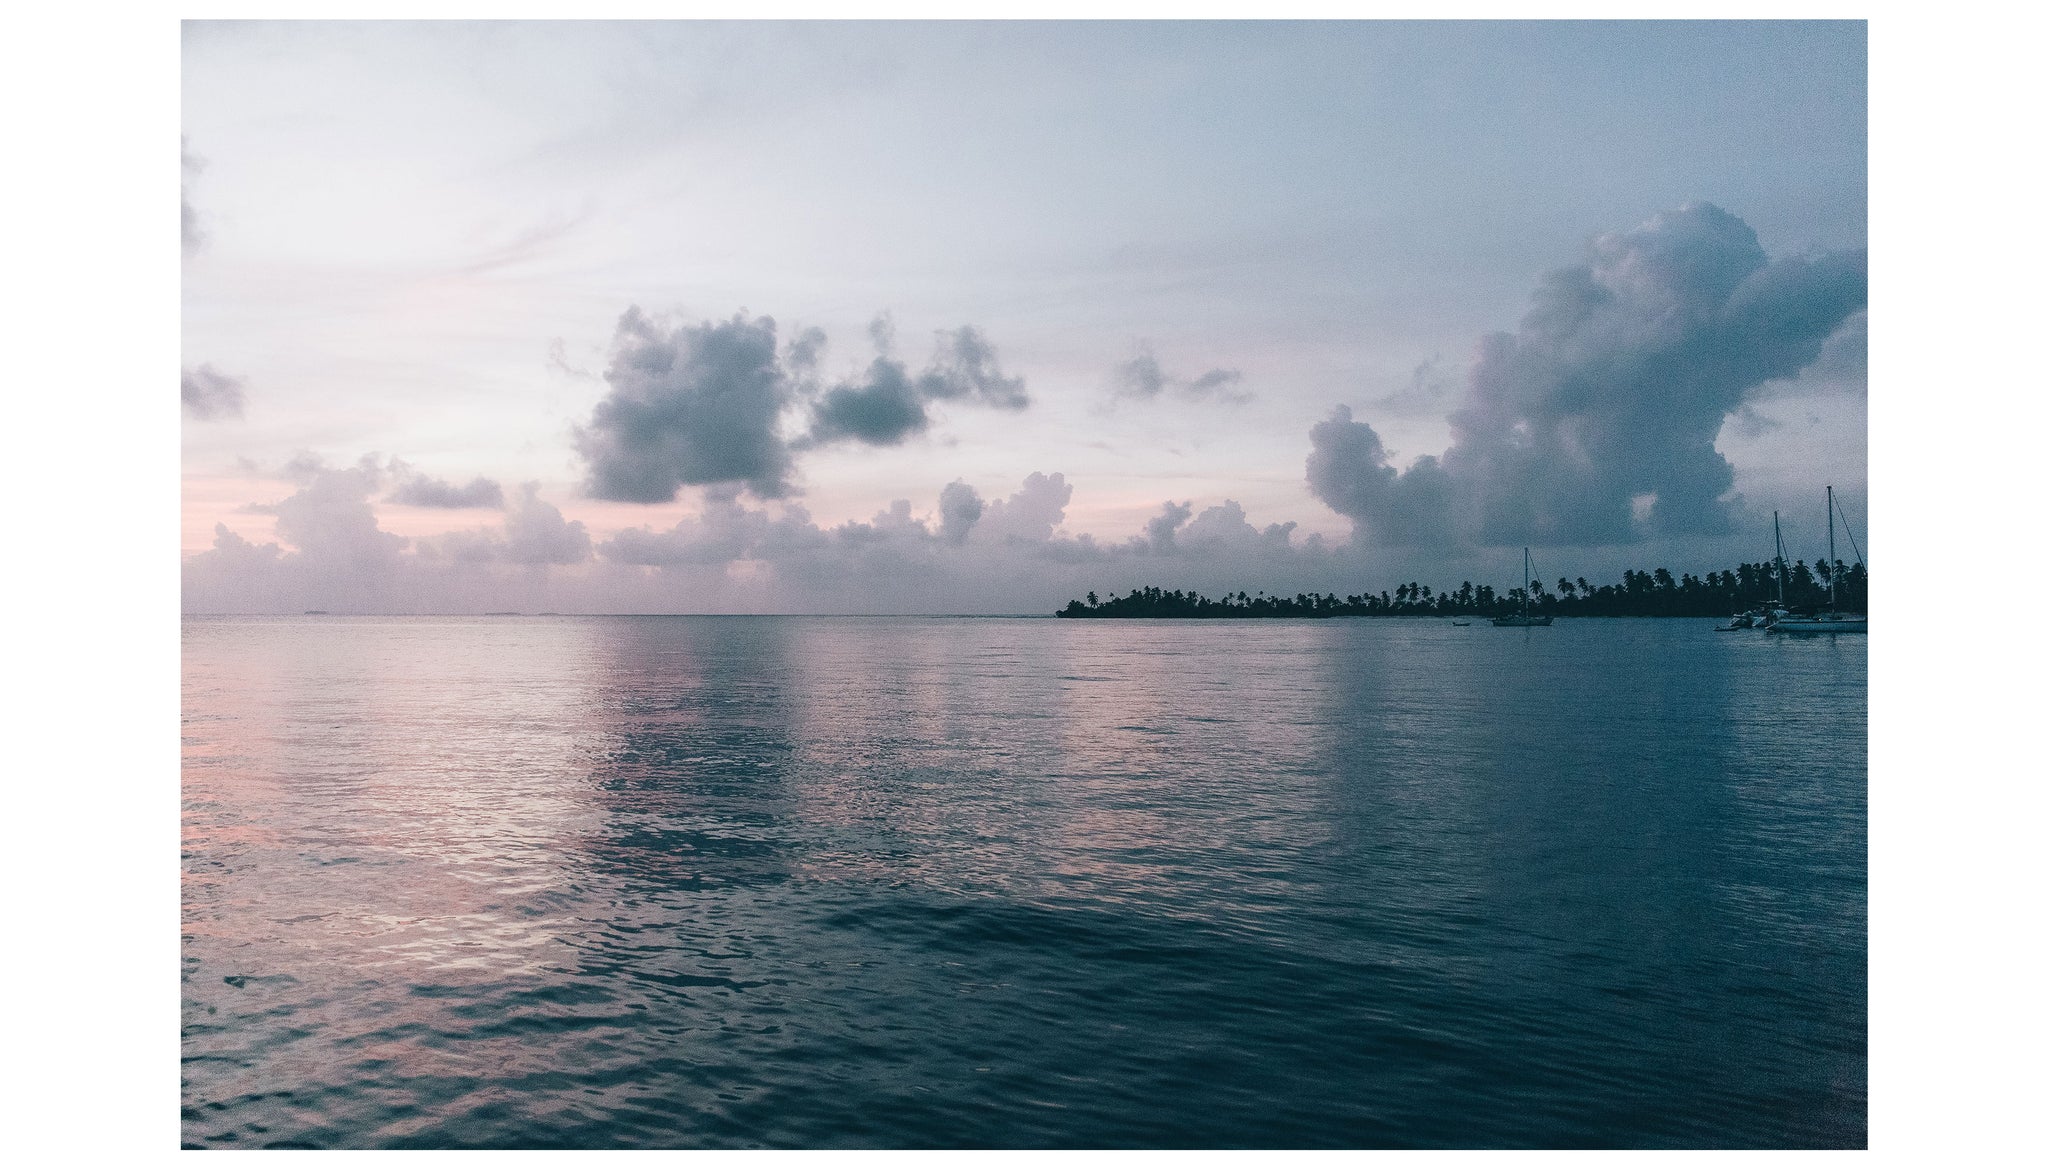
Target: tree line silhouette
x,y
1640,594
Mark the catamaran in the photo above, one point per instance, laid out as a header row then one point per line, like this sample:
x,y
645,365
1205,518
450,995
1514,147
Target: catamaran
x,y
1523,618
1831,620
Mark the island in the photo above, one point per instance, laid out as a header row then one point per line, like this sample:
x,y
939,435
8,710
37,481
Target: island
x,y
1652,593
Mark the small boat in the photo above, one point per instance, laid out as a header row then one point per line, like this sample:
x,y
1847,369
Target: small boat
x,y
1830,620
1523,618
1459,623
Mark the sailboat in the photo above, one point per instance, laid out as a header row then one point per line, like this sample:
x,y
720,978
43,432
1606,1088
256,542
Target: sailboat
x,y
1523,618
1772,611
1831,620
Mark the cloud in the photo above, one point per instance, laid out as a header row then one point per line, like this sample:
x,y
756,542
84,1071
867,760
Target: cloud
x,y
966,367
1029,515
1159,530
330,520
190,231
209,394
1843,366
534,533
734,556
1142,379
887,404
959,507
1223,528
420,491
1595,422
1220,385
903,561
558,361
724,532
1347,469
689,404
1426,393
882,410
803,352
700,405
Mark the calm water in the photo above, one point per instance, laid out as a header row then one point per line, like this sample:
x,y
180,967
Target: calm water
x,y
984,882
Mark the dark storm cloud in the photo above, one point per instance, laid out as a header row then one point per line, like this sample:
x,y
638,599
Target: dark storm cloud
x,y
1347,469
1595,422
209,394
1142,379
420,491
704,404
1843,366
689,404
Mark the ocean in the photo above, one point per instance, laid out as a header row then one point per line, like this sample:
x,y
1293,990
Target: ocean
x,y
829,882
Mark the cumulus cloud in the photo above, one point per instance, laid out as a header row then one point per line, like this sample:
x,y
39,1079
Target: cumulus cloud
x,y
887,404
209,394
1349,471
883,409
333,555
421,491
901,559
689,404
1595,422
1030,514
739,556
959,507
1159,529
1142,379
330,520
1224,528
534,533
724,532
707,404
1843,366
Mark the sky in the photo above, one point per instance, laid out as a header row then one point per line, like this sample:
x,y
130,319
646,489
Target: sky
x,y
977,317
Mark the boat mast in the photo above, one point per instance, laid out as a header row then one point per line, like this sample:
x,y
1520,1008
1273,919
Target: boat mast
x,y
1778,578
1831,546
1525,580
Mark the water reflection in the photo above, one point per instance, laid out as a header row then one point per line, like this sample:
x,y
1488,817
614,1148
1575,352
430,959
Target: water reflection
x,y
914,882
